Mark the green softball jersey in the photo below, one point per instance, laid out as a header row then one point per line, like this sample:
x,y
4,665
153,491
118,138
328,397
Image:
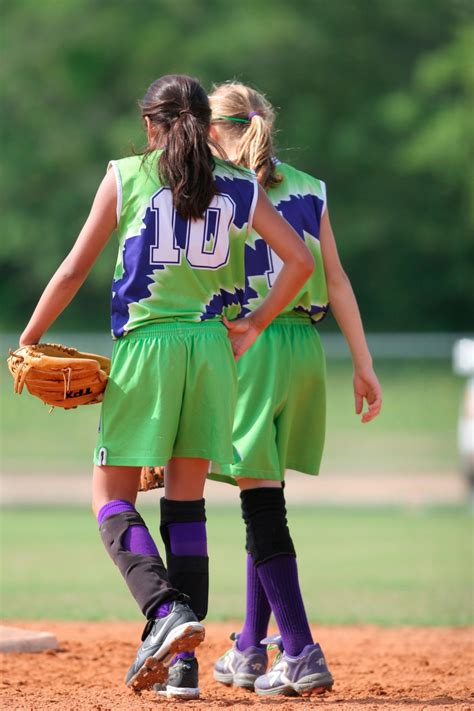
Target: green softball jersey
x,y
301,199
169,268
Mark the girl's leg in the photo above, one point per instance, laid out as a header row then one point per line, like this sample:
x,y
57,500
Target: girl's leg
x,y
128,540
257,611
257,607
183,530
185,478
111,483
274,557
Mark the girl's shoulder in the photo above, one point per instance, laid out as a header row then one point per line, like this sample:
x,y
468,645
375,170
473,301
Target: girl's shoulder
x,y
299,177
137,171
136,162
225,168
296,182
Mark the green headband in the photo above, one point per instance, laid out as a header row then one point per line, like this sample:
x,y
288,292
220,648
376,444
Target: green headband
x,y
232,118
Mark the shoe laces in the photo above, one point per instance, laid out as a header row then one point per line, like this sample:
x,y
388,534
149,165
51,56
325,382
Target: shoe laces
x,y
278,656
274,642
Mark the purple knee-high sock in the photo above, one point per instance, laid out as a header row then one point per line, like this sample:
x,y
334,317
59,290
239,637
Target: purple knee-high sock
x,y
137,539
279,578
257,612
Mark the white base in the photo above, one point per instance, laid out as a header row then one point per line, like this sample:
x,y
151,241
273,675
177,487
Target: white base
x,y
14,639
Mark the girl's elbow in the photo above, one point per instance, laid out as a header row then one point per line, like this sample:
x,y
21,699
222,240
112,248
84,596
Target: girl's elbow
x,y
306,264
70,273
68,278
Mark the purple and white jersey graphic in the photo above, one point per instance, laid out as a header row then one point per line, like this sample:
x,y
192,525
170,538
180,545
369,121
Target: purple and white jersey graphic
x,y
169,268
301,200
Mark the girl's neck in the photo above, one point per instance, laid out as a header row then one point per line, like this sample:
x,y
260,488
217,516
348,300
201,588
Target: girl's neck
x,y
229,149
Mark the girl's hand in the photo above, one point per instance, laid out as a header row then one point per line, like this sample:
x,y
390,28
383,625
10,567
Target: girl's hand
x,y
367,386
242,333
26,340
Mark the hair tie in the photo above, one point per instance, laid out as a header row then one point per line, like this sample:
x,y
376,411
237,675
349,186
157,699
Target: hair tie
x,y
251,114
183,112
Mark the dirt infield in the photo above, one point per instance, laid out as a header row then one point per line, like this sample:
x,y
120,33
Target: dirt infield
x,y
374,668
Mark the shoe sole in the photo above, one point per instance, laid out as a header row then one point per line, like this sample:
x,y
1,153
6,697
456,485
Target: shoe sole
x,y
154,670
179,692
243,681
309,686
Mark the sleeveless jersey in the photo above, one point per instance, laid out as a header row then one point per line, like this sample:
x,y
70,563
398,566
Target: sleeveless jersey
x,y
301,199
172,269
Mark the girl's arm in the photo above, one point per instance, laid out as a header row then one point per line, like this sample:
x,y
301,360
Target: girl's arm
x,y
298,265
73,271
346,312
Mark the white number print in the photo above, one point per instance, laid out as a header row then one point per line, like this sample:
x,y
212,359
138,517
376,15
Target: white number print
x,y
207,240
275,266
165,250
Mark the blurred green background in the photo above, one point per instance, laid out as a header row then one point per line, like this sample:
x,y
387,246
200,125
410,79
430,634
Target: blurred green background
x,y
416,433
384,566
376,97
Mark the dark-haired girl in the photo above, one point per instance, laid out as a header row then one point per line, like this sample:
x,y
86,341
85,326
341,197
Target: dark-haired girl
x,y
182,218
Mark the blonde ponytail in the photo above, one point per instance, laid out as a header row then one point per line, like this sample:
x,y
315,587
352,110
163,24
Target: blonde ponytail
x,y
247,117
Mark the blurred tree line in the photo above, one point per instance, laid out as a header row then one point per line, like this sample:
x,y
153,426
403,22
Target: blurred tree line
x,y
374,96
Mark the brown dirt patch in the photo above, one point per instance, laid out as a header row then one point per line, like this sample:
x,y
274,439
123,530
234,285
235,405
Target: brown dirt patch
x,y
374,668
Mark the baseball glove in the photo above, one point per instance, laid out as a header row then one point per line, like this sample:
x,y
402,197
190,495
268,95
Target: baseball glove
x,y
152,478
59,376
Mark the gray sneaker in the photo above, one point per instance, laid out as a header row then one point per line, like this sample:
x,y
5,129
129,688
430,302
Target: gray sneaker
x,y
304,675
163,638
183,680
241,668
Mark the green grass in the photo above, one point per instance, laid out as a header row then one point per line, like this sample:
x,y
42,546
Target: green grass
x,y
415,433
416,430
387,566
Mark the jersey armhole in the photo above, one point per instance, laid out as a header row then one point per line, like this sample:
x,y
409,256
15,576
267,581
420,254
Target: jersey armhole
x,y
252,205
118,180
323,190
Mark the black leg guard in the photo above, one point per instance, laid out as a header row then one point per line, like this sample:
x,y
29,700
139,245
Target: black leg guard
x,y
188,573
264,513
145,575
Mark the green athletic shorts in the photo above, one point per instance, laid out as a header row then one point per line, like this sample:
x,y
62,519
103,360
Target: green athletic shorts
x,y
171,393
280,417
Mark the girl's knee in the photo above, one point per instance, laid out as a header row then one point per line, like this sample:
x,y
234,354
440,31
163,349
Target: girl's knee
x,y
251,483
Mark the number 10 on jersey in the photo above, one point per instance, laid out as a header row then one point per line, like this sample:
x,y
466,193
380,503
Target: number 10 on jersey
x,y
207,239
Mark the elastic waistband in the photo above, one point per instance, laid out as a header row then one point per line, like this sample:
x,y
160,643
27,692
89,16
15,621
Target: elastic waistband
x,y
175,327
293,319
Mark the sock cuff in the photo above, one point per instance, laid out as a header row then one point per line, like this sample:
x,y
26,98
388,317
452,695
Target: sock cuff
x,y
182,511
254,499
267,533
112,508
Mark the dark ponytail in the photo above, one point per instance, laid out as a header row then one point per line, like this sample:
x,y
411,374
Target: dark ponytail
x,y
178,109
